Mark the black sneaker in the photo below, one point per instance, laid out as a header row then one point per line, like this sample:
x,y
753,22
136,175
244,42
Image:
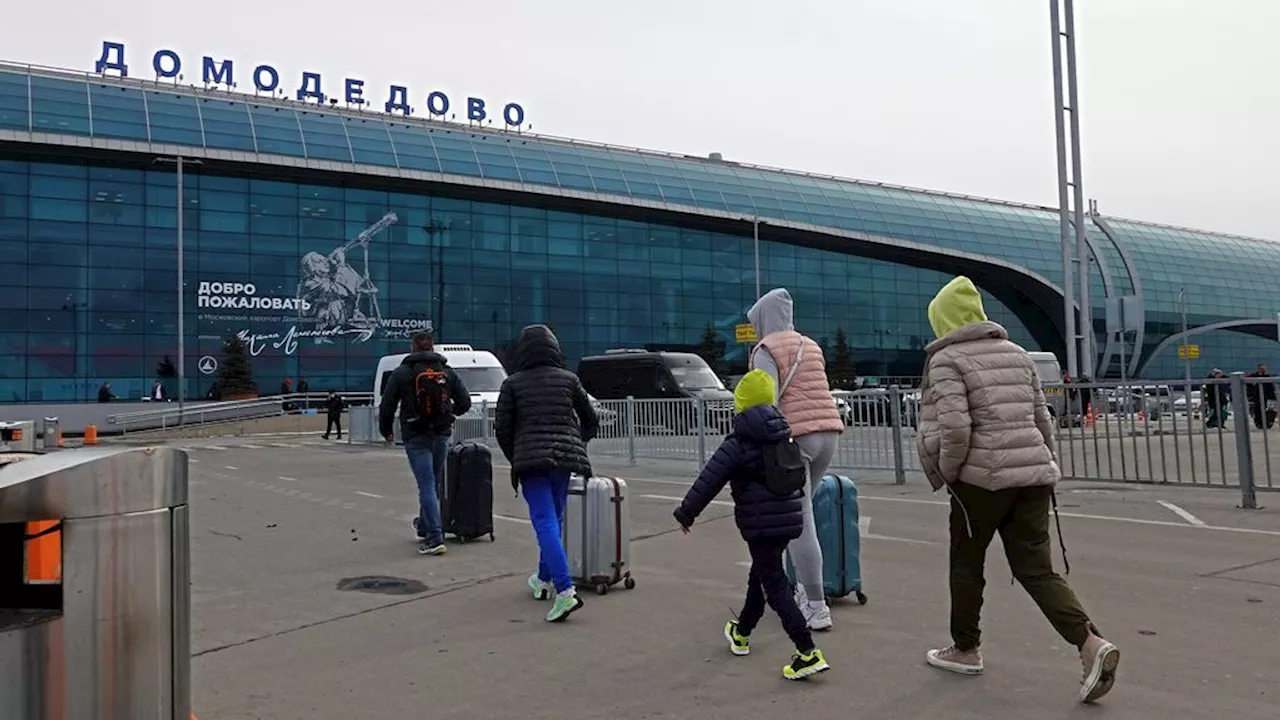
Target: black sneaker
x,y
417,531
805,665
426,547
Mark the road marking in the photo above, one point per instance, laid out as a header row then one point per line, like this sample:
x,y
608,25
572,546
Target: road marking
x,y
1181,513
508,518
367,494
231,467
214,447
252,447
191,459
288,479
1109,518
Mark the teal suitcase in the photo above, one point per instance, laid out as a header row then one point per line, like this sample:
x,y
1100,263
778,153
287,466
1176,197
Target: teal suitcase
x,y
835,515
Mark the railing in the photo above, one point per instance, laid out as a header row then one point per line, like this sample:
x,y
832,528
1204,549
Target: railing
x,y
210,413
1138,432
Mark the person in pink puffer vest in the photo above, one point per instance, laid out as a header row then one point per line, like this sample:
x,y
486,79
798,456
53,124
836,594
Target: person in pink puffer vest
x,y
797,365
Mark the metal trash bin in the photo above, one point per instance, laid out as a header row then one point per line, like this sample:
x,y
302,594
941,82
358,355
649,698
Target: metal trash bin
x,y
51,433
362,425
19,436
111,638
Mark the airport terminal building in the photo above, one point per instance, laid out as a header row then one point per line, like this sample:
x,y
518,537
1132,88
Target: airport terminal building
x,y
497,228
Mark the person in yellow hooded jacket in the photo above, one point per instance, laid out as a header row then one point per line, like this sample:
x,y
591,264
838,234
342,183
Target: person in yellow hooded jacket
x,y
986,435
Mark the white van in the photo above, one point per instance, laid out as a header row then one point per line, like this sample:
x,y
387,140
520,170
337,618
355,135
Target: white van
x,y
1051,380
479,370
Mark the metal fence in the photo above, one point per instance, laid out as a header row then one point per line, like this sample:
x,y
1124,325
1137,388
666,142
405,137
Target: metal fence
x,y
1139,432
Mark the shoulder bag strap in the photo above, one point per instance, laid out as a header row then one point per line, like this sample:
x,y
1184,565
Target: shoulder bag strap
x,y
795,365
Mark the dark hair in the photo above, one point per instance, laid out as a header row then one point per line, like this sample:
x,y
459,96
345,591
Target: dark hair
x,y
422,342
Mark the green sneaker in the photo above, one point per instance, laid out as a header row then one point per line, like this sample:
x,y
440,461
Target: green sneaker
x,y
541,590
564,604
804,665
739,644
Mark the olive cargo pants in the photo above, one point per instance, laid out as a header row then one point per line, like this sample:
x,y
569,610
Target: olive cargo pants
x,y
1021,517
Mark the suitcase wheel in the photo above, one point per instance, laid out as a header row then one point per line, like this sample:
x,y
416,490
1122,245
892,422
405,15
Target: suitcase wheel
x,y
492,538
629,583
602,588
862,598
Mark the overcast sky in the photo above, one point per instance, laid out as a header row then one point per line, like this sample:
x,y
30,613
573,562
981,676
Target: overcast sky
x,y
1180,102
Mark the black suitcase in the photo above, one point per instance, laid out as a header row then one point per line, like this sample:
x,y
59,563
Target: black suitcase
x,y
466,497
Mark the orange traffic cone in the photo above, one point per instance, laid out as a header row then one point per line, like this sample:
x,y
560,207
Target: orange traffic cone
x,y
91,435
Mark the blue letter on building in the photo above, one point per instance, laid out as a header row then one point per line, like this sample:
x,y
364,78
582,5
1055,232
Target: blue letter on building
x,y
174,60
218,73
438,103
513,114
257,78
399,101
313,80
475,109
355,92
106,63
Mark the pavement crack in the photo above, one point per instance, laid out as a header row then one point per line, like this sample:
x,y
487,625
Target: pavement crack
x,y
1234,568
368,611
226,535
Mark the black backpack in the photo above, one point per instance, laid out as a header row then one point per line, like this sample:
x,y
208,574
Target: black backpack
x,y
784,467
432,400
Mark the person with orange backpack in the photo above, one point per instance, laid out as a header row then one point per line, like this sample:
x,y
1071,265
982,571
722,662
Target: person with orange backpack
x,y
429,395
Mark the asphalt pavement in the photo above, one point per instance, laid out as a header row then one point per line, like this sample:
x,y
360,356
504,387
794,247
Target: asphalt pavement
x,y
1184,582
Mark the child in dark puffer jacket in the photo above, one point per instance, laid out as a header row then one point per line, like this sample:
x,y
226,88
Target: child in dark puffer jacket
x,y
767,521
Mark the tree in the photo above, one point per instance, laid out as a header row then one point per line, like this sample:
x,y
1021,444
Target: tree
x,y
840,371
165,369
235,373
711,349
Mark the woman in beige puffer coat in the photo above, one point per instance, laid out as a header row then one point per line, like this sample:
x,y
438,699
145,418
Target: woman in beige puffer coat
x,y
986,435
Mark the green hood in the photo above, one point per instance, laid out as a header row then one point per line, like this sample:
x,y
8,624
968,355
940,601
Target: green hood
x,y
957,304
755,388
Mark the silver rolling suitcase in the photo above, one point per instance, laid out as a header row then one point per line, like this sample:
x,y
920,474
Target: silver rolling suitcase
x,y
597,533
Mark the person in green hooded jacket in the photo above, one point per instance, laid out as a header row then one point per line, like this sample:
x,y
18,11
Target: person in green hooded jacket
x,y
986,435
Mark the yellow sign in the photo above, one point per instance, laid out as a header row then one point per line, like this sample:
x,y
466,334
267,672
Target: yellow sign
x,y
1188,352
745,333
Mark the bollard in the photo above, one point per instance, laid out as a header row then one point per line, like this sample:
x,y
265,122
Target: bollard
x,y
895,417
44,552
52,434
631,431
1244,448
90,434
699,406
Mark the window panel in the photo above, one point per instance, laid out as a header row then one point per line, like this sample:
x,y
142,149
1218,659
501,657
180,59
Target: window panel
x,y
14,111
174,119
59,106
277,130
325,136
414,148
370,142
226,125
118,112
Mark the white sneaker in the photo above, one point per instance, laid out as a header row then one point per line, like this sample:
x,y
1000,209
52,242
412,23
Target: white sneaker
x,y
817,615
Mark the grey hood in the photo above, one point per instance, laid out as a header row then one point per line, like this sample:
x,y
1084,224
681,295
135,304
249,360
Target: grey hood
x,y
772,313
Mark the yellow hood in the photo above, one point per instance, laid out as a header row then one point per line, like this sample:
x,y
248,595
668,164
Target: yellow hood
x,y
755,388
957,304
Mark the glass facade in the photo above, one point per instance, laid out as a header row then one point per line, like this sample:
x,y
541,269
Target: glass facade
x,y
93,288
90,288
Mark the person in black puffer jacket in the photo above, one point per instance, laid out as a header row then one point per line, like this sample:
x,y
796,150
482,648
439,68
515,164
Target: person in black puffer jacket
x,y
767,521
543,422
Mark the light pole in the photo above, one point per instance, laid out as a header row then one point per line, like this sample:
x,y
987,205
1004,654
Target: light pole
x,y
178,162
1068,102
755,234
1182,305
434,229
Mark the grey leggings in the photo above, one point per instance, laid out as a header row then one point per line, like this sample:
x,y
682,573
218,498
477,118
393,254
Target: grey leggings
x,y
819,449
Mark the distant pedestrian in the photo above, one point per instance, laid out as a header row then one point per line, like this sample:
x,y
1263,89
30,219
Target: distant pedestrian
x,y
1262,399
768,518
428,395
104,393
1216,397
334,405
796,364
304,387
987,436
158,393
542,423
